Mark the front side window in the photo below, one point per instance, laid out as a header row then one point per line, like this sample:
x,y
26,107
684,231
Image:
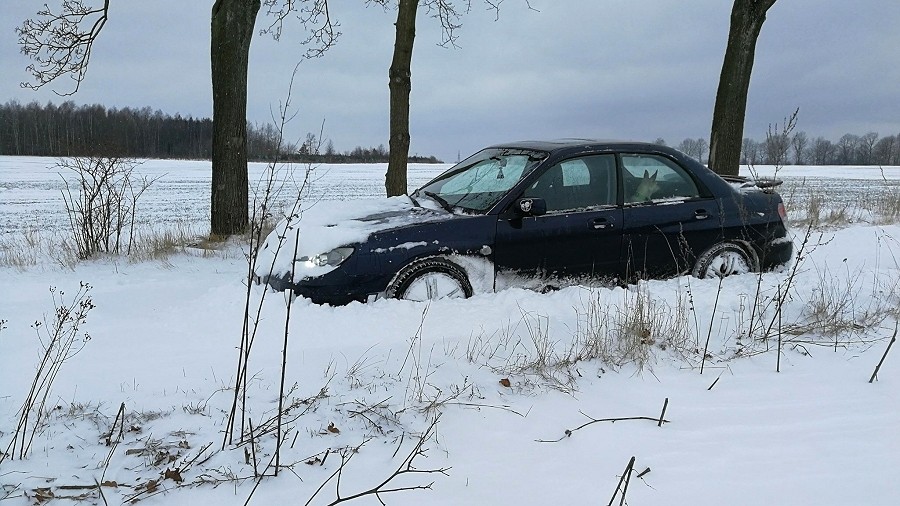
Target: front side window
x,y
577,183
652,177
480,181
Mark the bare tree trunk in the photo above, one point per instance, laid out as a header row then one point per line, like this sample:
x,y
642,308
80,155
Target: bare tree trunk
x,y
747,17
400,84
232,31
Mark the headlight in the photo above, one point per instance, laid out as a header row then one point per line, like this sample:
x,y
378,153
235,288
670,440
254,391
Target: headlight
x,y
333,258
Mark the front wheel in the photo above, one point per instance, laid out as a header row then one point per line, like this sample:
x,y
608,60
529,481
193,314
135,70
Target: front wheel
x,y
724,259
430,279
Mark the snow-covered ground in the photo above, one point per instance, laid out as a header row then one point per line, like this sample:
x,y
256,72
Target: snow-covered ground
x,y
507,372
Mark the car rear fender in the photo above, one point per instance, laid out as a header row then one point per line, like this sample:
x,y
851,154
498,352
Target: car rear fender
x,y
751,252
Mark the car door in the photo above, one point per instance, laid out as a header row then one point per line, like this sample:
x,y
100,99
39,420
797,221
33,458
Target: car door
x,y
669,217
581,232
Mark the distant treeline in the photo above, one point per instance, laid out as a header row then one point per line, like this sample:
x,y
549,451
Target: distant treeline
x,y
801,149
72,130
262,142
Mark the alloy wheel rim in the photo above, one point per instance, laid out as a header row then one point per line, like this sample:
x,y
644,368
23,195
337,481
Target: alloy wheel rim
x,y
727,263
433,286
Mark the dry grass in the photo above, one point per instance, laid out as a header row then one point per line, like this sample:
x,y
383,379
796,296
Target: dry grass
x,y
16,252
885,205
33,247
626,333
807,204
834,308
614,328
160,245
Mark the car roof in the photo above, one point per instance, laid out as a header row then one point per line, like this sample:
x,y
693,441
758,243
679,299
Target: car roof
x,y
569,143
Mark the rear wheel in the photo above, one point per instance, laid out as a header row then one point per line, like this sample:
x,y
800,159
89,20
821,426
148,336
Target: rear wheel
x,y
724,259
430,279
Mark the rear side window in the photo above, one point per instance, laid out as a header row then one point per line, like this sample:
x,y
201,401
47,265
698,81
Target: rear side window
x,y
577,183
651,177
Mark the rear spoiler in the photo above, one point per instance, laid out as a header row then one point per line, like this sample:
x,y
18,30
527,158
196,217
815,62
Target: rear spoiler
x,y
763,183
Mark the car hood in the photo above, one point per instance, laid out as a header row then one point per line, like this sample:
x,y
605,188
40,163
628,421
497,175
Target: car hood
x,y
326,225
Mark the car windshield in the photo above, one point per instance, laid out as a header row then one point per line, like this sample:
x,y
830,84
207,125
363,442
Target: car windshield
x,y
480,181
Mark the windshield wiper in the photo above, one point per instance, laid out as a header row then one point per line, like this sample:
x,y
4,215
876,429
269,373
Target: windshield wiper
x,y
440,200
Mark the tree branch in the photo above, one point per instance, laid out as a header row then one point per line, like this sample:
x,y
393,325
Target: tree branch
x,y
314,15
58,44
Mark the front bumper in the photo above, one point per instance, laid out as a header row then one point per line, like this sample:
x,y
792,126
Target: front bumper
x,y
333,288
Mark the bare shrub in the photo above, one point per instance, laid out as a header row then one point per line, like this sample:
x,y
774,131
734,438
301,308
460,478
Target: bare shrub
x,y
101,203
61,337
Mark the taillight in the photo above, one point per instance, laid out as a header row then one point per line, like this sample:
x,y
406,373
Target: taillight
x,y
781,211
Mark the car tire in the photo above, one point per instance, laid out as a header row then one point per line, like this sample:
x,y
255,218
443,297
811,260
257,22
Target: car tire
x,y
430,279
723,260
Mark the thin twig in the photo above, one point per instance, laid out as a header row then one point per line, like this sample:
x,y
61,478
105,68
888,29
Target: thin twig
x,y
625,476
878,367
714,382
568,432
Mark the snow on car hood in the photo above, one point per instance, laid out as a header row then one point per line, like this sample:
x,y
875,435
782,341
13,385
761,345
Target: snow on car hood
x,y
327,225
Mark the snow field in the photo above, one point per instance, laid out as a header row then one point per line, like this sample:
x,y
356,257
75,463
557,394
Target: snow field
x,y
164,337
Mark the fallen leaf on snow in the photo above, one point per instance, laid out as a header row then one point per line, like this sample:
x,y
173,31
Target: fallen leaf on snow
x,y
173,474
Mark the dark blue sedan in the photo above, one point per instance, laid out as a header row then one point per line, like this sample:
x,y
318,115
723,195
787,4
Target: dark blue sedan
x,y
537,214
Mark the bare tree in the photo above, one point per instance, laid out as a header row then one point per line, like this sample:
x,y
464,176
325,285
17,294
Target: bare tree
x,y
884,150
448,14
310,144
847,147
747,17
799,144
689,147
233,24
400,84
60,44
822,151
232,31
866,148
695,148
702,147
400,79
749,151
895,152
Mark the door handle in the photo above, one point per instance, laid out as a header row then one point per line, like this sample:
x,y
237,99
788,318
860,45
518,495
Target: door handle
x,y
701,214
600,223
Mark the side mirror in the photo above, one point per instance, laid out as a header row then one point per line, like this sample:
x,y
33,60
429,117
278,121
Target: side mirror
x,y
531,207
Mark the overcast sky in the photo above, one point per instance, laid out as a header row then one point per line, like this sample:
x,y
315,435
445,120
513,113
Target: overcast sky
x,y
624,69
